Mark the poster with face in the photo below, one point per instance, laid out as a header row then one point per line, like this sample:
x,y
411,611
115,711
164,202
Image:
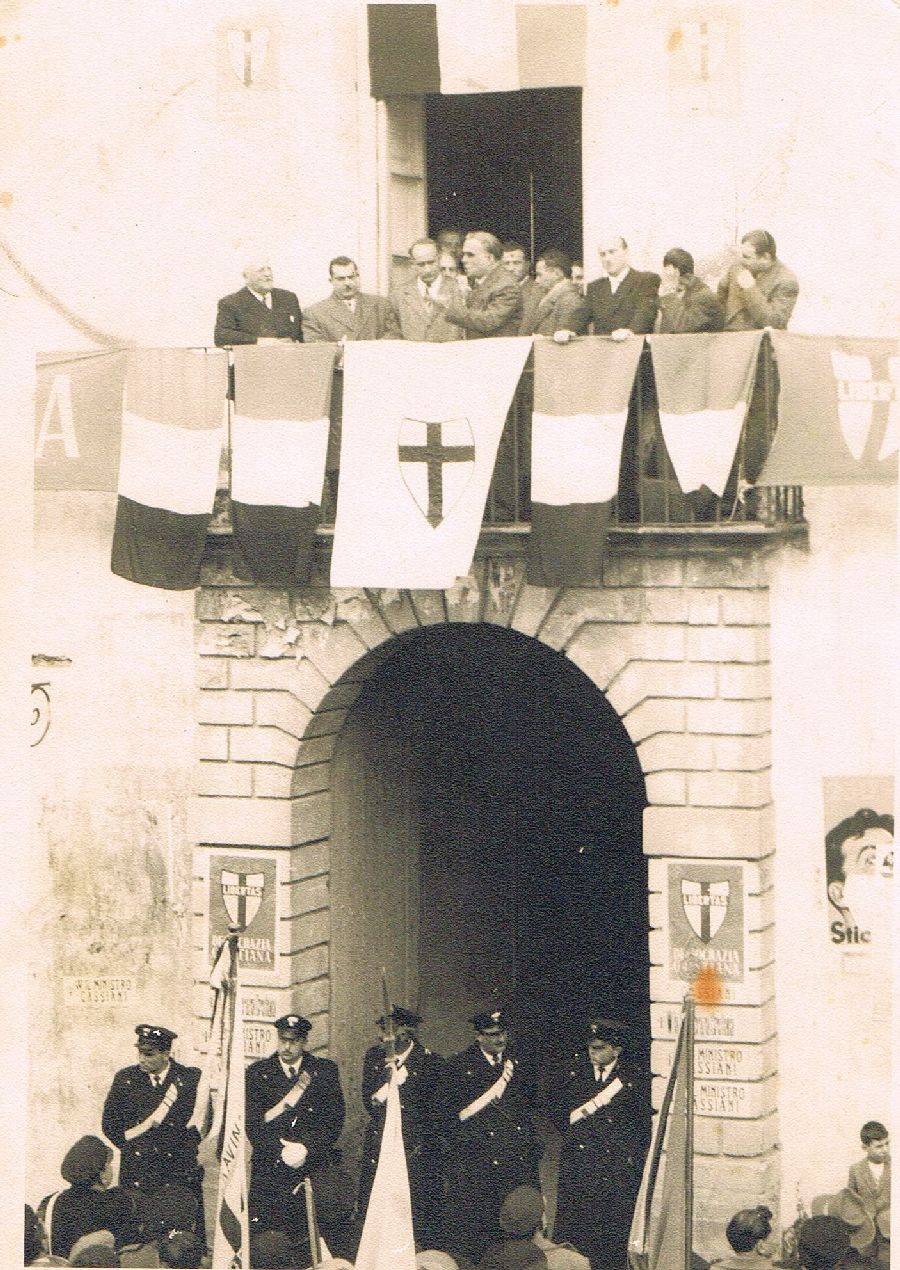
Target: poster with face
x,y
859,859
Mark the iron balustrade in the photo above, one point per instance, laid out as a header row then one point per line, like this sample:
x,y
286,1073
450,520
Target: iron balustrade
x,y
649,494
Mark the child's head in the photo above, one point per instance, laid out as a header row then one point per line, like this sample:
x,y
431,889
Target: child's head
x,y
876,1141
748,1228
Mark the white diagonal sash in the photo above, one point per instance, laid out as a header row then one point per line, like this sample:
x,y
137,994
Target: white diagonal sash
x,y
594,1104
165,1104
304,1080
493,1094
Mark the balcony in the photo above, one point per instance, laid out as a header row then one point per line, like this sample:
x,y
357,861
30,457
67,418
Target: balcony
x,y
650,510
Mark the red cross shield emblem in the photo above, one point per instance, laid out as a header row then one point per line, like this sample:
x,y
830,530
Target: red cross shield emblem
x,y
705,905
242,895
437,460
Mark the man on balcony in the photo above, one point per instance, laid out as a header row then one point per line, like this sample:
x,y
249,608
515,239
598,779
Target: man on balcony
x,y
412,313
560,305
625,301
515,260
686,304
259,313
493,303
348,313
758,290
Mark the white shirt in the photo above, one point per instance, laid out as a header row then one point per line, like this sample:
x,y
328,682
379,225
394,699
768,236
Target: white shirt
x,y
265,299
877,1169
495,1060
286,1068
616,282
159,1078
602,1073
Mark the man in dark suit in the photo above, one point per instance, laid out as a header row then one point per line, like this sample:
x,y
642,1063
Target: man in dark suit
x,y
348,313
493,1147
295,1113
601,1107
493,303
147,1113
625,301
412,312
420,1087
517,263
259,313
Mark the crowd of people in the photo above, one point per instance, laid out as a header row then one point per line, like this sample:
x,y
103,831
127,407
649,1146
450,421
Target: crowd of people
x,y
472,286
475,1128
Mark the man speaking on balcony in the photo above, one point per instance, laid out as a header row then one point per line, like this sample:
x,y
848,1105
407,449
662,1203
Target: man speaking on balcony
x,y
493,303
758,290
259,313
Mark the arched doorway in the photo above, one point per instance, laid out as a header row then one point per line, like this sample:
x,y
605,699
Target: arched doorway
x,y
486,846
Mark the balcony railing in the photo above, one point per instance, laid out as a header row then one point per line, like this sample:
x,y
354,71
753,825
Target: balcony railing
x,y
649,495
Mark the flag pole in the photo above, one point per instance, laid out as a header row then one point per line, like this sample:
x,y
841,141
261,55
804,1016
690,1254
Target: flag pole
x,y
689,1008
390,1038
312,1224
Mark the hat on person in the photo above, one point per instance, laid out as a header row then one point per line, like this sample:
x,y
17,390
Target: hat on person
x,y
613,1031
434,1259
151,1038
86,1160
522,1211
823,1242
485,1020
293,1025
93,1243
848,1207
272,1248
401,1016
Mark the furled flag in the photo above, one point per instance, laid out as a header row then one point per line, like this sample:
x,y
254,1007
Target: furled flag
x,y
704,384
212,1075
838,411
279,435
387,1241
581,393
661,1234
172,435
231,1239
421,427
427,48
78,419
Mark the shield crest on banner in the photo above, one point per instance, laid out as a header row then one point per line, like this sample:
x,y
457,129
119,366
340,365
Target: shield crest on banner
x,y
705,905
242,895
437,461
247,50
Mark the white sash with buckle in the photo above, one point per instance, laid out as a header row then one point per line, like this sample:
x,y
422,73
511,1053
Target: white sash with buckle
x,y
492,1094
303,1082
599,1100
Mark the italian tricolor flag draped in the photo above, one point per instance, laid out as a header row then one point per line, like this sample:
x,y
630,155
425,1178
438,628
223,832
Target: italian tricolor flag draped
x,y
581,393
279,437
173,427
704,384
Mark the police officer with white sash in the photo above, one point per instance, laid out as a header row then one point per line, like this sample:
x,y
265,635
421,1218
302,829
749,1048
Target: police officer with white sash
x,y
601,1108
493,1147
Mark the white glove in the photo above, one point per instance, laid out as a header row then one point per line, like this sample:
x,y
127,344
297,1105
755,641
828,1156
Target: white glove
x,y
293,1153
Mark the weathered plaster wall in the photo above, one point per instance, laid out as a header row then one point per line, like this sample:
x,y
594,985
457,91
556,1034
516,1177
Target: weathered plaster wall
x,y
799,138
110,861
149,159
834,667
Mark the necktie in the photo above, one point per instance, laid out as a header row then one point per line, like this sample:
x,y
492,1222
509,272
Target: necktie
x,y
292,1072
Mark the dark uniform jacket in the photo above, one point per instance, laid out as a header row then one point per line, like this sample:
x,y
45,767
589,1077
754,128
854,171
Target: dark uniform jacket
x,y
632,307
242,318
316,1121
167,1152
602,1159
421,1104
492,306
491,1152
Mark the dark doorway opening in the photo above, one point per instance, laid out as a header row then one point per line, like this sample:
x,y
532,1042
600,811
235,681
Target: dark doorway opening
x,y
486,847
509,163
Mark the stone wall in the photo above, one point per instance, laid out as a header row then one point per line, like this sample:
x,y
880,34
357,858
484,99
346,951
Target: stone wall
x,y
679,644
